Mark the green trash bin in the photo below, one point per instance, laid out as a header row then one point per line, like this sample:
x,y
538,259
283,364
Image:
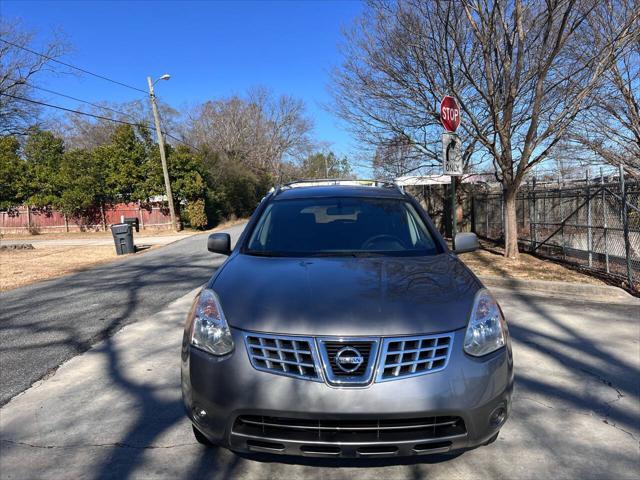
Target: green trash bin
x,y
123,238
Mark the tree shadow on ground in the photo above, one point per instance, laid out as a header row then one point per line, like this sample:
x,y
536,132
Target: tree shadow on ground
x,y
573,350
47,323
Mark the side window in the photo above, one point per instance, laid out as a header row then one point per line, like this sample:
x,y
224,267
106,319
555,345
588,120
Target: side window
x,y
262,231
413,229
266,226
422,237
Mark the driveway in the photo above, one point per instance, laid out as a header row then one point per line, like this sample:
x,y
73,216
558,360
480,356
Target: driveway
x,y
45,324
115,411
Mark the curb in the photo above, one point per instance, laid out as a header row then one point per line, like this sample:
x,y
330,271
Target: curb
x,y
595,292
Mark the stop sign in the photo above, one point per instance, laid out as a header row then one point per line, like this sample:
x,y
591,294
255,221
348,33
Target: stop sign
x,y
449,113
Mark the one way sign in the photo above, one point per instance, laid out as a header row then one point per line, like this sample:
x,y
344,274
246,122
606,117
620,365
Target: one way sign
x,y
451,154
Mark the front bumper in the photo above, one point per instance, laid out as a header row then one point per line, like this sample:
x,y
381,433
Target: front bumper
x,y
470,389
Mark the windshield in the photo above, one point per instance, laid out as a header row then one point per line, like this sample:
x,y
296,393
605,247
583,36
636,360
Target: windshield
x,y
341,226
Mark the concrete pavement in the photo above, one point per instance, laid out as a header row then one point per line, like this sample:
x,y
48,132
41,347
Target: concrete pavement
x,y
45,324
577,291
115,411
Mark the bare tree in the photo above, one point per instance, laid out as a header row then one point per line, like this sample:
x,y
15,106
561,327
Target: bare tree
x,y
260,130
395,158
19,70
84,131
609,126
521,71
391,83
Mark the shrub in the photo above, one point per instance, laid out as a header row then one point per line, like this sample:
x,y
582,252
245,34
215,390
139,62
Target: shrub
x,y
196,214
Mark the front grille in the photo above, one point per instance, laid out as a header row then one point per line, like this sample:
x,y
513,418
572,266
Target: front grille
x,y
282,355
354,347
332,351
307,357
409,356
349,431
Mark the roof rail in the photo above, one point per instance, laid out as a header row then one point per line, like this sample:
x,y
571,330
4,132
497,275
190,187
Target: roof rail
x,y
314,182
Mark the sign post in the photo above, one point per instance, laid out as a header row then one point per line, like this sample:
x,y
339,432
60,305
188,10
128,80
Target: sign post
x,y
451,153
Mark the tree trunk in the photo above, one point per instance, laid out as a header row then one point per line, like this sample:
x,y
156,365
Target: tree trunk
x,y
510,222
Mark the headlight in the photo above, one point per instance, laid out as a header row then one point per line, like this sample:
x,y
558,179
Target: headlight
x,y
487,330
209,329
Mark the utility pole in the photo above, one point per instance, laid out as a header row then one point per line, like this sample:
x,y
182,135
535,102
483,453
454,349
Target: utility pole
x,y
163,158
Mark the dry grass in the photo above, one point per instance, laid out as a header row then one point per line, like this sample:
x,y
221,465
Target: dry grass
x,y
65,235
107,234
490,261
22,267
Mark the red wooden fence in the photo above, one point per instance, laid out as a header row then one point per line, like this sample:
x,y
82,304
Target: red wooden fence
x,y
25,219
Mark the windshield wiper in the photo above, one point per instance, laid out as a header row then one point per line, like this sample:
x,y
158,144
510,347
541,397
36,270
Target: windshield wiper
x,y
354,254
258,253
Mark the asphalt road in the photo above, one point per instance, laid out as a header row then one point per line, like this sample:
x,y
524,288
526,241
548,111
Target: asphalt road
x,y
45,324
116,411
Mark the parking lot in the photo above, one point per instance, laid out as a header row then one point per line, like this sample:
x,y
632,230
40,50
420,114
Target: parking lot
x,y
115,411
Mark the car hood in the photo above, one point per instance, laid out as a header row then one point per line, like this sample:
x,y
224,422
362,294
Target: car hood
x,y
346,296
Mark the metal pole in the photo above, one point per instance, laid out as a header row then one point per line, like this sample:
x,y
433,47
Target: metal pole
x,y
604,222
503,224
589,223
486,212
561,216
454,219
544,208
532,216
625,227
163,159
473,212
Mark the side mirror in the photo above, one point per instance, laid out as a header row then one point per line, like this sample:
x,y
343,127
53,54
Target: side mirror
x,y
466,242
219,243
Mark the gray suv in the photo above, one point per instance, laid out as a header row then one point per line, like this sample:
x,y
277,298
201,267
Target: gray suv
x,y
341,325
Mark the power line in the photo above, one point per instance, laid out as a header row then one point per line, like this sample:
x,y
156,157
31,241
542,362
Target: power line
x,y
79,100
84,101
100,117
72,66
181,141
107,108
72,110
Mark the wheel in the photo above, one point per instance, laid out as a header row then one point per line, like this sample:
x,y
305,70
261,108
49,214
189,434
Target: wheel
x,y
492,439
200,437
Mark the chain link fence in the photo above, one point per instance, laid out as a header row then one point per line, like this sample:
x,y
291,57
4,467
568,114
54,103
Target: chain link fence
x,y
594,224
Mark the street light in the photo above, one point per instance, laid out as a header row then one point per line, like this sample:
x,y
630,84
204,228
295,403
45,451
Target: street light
x,y
163,159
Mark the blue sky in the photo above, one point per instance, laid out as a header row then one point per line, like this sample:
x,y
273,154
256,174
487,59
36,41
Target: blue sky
x,y
211,49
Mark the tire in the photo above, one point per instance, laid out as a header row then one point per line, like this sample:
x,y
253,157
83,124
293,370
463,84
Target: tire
x,y
492,439
200,438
